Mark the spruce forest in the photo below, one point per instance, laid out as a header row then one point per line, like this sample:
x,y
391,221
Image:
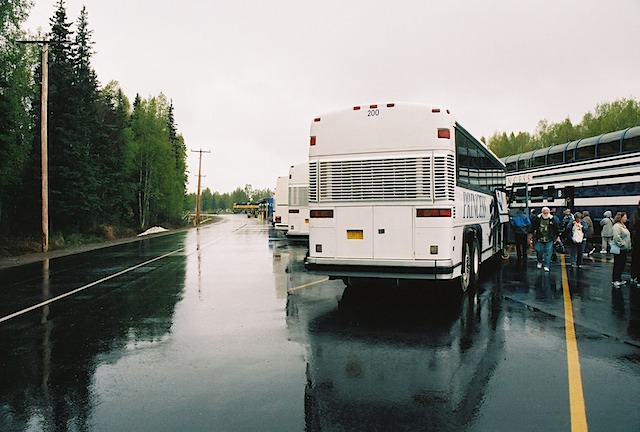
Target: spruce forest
x,y
112,164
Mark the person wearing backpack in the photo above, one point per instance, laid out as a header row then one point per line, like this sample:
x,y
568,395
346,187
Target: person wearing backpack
x,y
521,223
577,240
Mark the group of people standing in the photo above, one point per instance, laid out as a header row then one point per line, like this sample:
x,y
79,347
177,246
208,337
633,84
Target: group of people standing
x,y
547,233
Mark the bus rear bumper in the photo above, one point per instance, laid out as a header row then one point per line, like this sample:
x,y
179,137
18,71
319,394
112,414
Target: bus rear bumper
x,y
423,269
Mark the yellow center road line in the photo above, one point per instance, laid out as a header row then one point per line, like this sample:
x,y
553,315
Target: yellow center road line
x,y
576,394
308,284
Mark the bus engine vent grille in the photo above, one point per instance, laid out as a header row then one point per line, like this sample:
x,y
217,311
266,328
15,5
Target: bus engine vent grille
x,y
313,181
374,179
444,177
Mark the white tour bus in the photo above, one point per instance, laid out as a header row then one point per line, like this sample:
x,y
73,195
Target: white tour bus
x,y
299,200
281,208
402,191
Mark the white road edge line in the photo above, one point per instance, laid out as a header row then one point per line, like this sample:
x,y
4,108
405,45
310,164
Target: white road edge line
x,y
82,288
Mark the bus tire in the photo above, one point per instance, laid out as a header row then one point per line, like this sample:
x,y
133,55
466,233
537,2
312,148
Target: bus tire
x,y
470,266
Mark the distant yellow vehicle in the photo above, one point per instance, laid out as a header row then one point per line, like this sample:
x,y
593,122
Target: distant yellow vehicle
x,y
252,210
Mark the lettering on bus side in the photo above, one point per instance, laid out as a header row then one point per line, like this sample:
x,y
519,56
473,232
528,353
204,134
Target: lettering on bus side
x,y
518,178
475,206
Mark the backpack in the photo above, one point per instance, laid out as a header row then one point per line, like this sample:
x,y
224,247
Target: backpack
x,y
578,235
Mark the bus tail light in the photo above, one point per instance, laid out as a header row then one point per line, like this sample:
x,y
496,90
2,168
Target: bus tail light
x,y
444,133
278,219
433,212
321,214
312,141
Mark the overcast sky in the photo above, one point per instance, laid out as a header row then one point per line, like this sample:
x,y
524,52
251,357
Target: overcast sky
x,y
247,76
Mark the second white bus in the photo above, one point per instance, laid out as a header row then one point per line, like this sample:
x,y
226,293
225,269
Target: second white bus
x,y
281,210
298,200
402,191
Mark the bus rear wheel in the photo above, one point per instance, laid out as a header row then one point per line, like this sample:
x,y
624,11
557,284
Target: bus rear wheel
x,y
470,266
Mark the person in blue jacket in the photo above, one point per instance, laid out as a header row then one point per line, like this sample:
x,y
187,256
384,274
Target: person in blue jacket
x,y
521,223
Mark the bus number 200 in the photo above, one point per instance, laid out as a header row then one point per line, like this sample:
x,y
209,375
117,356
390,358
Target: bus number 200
x,y
373,112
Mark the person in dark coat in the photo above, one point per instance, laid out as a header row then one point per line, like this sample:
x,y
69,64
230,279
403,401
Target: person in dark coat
x,y
586,218
621,239
544,231
634,228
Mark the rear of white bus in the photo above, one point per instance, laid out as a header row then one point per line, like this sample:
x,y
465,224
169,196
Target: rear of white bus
x,y
382,194
298,219
281,210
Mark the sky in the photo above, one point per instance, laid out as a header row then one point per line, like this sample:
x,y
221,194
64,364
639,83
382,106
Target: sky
x,y
247,77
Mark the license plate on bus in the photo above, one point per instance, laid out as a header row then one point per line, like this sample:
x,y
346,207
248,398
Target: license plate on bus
x,y
355,235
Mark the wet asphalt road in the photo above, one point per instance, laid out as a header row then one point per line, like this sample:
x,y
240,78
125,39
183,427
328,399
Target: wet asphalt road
x,y
222,329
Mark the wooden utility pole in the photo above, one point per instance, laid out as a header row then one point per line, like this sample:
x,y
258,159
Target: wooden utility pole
x,y
44,159
197,221
43,139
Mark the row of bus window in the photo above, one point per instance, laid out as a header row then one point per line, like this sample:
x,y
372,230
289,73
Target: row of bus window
x,y
478,168
619,142
536,194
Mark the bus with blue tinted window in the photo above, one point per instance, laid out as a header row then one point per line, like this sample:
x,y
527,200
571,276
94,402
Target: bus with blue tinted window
x,y
597,174
402,191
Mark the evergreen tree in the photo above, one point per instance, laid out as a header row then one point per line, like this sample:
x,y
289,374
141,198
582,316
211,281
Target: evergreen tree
x,y
67,154
114,157
86,125
178,179
16,94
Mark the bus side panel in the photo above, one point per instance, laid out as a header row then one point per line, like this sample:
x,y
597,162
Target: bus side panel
x,y
322,236
299,222
350,221
393,232
440,237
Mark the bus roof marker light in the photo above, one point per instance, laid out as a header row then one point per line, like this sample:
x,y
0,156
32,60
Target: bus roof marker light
x,y
444,133
317,119
390,105
435,110
356,108
373,106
